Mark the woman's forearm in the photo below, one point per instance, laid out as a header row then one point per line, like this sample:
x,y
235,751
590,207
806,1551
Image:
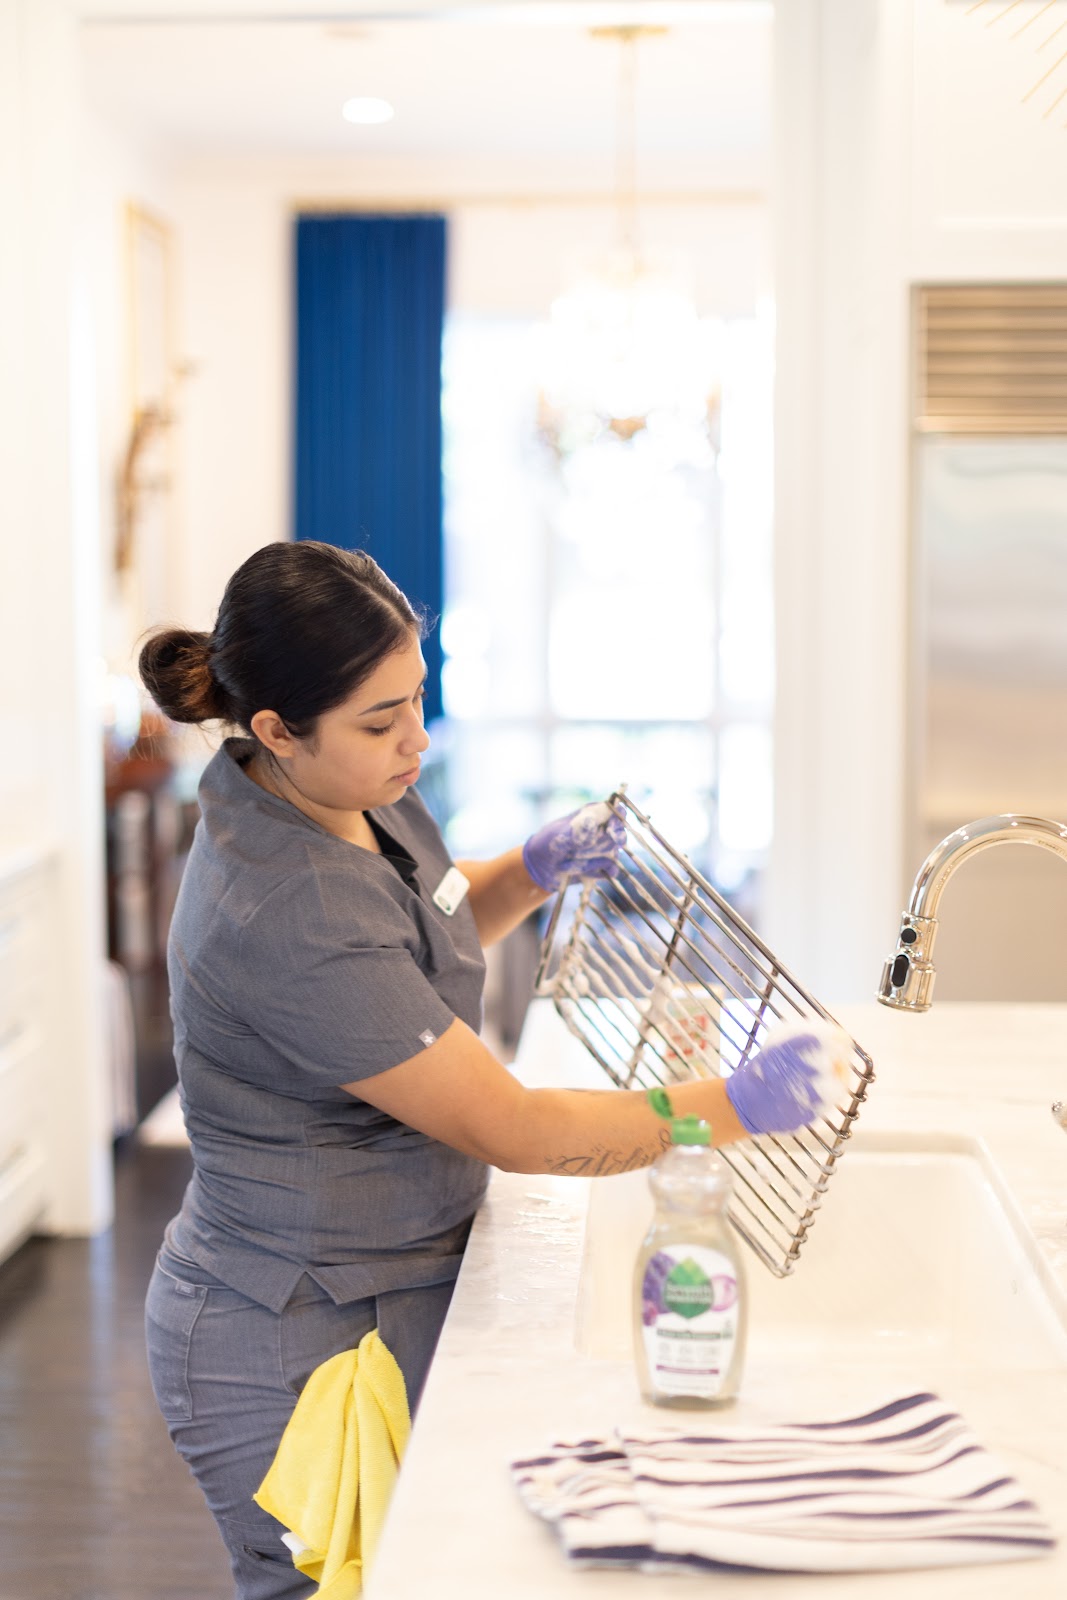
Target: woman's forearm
x,y
502,894
599,1132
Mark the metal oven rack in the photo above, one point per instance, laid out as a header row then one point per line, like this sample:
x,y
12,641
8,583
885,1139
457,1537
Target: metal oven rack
x,y
662,981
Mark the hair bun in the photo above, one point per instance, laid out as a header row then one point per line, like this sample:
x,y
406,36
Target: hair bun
x,y
175,668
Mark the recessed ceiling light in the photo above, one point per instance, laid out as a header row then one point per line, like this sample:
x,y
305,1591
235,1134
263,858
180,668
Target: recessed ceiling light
x,y
367,109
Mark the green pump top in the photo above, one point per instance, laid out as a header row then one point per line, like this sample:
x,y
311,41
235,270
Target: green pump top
x,y
684,1130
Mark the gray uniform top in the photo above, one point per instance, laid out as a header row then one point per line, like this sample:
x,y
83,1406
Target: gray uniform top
x,y
299,962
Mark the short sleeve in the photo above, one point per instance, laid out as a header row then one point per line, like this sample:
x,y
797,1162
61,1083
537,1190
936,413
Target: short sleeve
x,y
332,981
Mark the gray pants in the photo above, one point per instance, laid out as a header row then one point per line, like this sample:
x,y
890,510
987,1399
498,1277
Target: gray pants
x,y
227,1372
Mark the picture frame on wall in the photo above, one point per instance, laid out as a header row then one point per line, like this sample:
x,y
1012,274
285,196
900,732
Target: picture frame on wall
x,y
142,544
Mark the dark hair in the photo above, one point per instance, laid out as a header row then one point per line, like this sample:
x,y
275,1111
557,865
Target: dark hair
x,y
301,625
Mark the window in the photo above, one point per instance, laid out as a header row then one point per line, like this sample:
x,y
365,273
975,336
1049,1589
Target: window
x,y
609,612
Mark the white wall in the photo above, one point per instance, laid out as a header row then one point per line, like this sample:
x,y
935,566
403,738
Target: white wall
x,y
115,172
842,100
51,789
988,167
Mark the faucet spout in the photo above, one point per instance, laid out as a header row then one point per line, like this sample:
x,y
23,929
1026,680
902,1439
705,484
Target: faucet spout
x,y
908,976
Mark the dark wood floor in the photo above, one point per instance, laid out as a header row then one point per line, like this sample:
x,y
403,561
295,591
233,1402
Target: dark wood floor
x,y
94,1503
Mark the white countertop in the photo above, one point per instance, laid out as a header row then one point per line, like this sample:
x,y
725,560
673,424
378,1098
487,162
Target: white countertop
x,y
507,1379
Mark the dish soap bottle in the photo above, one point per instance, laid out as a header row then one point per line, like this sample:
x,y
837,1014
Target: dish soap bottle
x,y
690,1305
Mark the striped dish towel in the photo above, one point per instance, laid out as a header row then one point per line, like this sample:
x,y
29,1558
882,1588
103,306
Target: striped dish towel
x,y
907,1485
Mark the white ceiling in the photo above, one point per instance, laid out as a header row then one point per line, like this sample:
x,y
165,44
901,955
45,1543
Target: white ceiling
x,y
519,82
546,12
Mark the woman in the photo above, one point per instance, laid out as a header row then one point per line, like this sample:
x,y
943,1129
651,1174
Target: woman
x,y
326,971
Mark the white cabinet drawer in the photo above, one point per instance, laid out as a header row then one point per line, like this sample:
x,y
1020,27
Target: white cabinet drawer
x,y
21,952
22,1199
20,1064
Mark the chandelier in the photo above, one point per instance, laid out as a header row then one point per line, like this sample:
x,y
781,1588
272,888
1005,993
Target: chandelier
x,y
624,350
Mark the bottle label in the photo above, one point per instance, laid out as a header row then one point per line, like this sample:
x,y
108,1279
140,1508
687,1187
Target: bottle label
x,y
689,1319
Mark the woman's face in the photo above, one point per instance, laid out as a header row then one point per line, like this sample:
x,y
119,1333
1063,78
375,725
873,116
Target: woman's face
x,y
366,751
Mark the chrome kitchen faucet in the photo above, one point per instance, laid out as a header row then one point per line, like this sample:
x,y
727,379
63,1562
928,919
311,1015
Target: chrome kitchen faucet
x,y
908,976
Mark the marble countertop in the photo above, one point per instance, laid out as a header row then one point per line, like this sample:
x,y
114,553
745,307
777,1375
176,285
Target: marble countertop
x,y
507,1378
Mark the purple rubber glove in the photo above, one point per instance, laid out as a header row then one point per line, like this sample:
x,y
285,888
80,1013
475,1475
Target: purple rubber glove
x,y
585,844
798,1075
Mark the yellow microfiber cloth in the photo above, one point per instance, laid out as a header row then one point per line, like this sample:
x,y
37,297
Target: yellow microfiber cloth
x,y
335,1467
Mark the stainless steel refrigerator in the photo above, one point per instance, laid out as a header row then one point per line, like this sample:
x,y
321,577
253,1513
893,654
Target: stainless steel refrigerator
x,y
988,700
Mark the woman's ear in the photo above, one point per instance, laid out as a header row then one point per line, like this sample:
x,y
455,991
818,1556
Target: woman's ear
x,y
271,732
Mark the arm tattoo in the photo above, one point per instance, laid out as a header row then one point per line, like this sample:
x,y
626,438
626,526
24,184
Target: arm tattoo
x,y
601,1162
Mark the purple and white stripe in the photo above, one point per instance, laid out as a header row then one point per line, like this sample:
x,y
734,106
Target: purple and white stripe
x,y
905,1486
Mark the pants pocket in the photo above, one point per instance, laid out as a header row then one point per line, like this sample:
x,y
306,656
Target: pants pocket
x,y
311,1329
171,1310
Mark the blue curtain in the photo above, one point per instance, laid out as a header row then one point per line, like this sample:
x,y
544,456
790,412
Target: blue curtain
x,y
370,297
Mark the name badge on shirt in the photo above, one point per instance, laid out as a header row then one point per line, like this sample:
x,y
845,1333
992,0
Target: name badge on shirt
x,y
450,891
